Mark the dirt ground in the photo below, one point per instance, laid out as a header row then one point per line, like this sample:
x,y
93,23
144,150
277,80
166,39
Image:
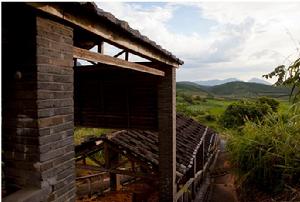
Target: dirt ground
x,y
223,188
140,190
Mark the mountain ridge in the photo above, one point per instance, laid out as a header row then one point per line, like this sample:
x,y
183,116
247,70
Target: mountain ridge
x,y
235,89
215,82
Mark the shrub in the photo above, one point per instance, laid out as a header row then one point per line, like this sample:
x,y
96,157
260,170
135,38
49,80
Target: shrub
x,y
210,117
266,155
274,104
237,113
187,98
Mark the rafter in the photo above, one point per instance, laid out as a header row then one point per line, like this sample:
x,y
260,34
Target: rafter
x,y
108,60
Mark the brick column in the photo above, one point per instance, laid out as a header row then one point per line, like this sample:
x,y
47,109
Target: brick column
x,y
167,135
55,109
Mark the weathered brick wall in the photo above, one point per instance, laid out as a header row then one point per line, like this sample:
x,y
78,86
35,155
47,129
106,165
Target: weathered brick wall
x,y
19,126
55,108
37,103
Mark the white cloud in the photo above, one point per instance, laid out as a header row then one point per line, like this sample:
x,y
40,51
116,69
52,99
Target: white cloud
x,y
248,40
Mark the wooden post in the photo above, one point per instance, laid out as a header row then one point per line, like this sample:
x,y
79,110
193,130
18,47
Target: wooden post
x,y
126,55
132,165
111,159
167,135
101,47
194,186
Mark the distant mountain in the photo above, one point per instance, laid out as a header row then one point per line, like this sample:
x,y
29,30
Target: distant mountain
x,y
216,82
191,88
257,80
236,89
245,89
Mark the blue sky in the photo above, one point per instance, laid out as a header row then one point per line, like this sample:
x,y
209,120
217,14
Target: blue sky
x,y
218,40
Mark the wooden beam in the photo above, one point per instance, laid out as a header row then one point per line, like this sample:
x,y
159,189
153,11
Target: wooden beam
x,y
120,53
108,60
106,31
101,47
95,161
117,171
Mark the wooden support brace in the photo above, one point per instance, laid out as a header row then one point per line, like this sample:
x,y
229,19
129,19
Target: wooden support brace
x,y
108,60
120,53
148,176
101,47
106,32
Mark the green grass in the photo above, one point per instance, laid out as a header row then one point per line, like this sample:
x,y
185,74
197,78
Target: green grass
x,y
266,154
80,134
203,110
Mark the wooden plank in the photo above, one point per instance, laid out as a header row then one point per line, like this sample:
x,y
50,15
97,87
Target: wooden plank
x,y
101,47
97,57
118,171
91,176
120,53
184,189
107,32
96,161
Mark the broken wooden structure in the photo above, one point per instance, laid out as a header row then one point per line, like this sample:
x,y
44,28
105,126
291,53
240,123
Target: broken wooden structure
x,y
196,149
44,95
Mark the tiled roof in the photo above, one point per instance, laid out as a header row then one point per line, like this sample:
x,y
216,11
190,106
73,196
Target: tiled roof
x,y
91,8
144,144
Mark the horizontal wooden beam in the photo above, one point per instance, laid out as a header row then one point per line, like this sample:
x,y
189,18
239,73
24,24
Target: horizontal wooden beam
x,y
84,54
107,32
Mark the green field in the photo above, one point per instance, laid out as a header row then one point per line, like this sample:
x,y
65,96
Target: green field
x,y
208,110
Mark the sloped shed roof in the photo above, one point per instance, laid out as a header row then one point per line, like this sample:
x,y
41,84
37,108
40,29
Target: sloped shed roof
x,y
91,9
144,144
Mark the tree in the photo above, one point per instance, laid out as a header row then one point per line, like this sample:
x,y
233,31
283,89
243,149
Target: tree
x,y
236,114
288,76
274,104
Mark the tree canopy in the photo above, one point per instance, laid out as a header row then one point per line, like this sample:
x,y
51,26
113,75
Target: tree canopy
x,y
288,76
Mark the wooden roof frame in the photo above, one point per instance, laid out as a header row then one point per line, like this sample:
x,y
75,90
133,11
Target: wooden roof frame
x,y
109,34
108,60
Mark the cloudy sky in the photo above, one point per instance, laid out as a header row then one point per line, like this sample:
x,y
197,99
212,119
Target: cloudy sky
x,y
218,40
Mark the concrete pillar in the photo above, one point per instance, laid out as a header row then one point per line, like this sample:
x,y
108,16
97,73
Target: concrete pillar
x,y
167,135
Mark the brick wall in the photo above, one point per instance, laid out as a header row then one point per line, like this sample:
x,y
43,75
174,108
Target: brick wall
x,y
19,114
37,103
55,108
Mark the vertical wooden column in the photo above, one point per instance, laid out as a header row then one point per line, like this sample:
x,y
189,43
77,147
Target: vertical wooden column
x,y
167,135
111,159
101,47
194,189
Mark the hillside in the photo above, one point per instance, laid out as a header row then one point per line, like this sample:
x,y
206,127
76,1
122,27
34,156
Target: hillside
x,y
236,89
244,89
257,80
216,82
191,88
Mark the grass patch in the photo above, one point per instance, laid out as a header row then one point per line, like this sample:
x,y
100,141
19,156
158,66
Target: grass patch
x,y
266,154
80,133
